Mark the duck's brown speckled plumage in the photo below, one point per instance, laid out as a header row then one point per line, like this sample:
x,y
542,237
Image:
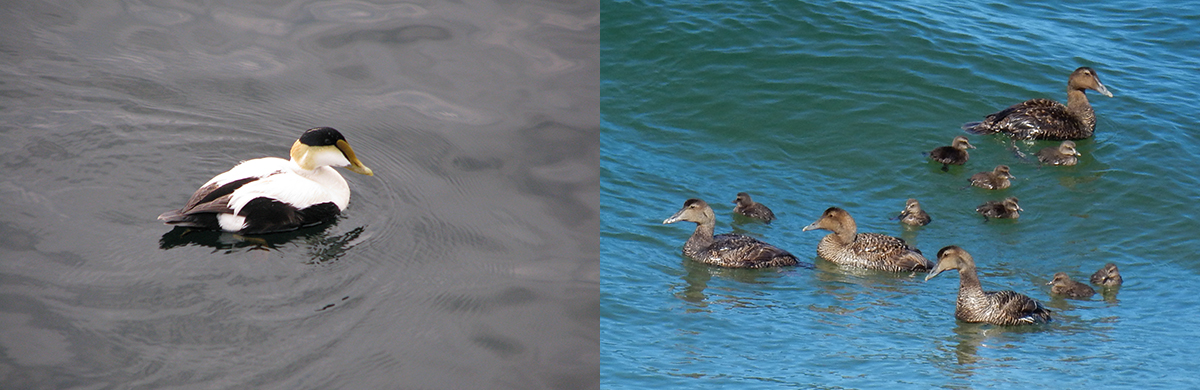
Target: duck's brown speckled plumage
x,y
845,246
746,206
1063,154
725,250
1063,285
1048,119
1007,208
913,215
994,307
1108,276
997,179
955,154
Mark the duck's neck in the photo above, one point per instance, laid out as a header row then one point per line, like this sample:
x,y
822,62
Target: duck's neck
x,y
701,238
846,234
968,282
1077,104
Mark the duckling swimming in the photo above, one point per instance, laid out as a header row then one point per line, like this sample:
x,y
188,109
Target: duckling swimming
x,y
1064,154
955,154
1063,285
752,209
994,307
1048,119
270,194
1007,208
997,179
913,215
725,250
845,246
1107,276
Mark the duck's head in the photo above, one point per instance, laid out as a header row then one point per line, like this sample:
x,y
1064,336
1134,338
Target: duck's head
x,y
1086,78
961,143
742,199
1068,148
1060,279
694,210
834,219
912,206
951,257
1010,204
1002,171
324,146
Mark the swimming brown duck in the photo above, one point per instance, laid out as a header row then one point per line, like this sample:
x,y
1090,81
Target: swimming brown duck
x,y
997,179
993,307
1108,276
1063,154
1063,285
955,154
845,246
1048,119
750,208
1007,208
913,215
725,250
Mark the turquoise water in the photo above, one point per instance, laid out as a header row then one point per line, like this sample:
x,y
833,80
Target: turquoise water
x,y
807,106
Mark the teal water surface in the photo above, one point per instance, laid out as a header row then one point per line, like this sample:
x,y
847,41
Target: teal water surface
x,y
812,105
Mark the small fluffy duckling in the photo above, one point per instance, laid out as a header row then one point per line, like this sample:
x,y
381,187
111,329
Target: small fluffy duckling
x,y
1007,208
1063,285
1064,154
1107,276
746,206
997,179
955,154
913,215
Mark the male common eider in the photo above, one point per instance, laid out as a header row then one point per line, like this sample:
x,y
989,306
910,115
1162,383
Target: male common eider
x,y
1063,285
752,209
913,215
1048,119
270,194
1007,208
997,179
845,246
993,307
1064,154
955,154
725,250
1107,276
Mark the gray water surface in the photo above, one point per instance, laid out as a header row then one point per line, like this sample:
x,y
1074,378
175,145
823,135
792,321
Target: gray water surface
x,y
468,261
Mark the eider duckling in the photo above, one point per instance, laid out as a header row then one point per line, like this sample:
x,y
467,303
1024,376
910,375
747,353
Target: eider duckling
x,y
752,209
845,246
1007,208
725,250
994,307
1048,119
1063,285
913,215
1064,154
955,154
270,194
1107,276
997,179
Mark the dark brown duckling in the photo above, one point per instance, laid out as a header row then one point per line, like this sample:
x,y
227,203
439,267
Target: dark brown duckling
x,y
955,154
845,246
1064,154
1107,276
752,209
997,179
1048,119
1063,285
913,215
994,307
1007,208
725,250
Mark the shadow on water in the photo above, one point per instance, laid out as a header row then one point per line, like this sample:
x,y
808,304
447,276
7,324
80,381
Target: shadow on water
x,y
323,248
699,274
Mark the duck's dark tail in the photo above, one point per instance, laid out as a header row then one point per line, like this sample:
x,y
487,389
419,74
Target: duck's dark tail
x,y
977,128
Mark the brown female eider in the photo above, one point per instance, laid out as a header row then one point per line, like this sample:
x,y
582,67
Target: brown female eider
x,y
994,307
725,250
752,209
845,246
1048,119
